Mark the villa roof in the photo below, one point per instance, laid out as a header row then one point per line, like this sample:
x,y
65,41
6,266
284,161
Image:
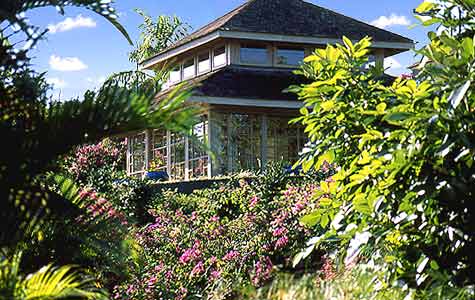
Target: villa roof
x,y
244,83
291,18
248,83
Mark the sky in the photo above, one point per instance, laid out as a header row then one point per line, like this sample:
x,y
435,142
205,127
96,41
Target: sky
x,y
82,48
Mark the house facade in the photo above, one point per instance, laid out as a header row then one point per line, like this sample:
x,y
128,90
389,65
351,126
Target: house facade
x,y
239,65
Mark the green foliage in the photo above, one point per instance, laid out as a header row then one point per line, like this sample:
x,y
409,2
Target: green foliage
x,y
157,35
45,284
212,242
358,283
404,191
40,216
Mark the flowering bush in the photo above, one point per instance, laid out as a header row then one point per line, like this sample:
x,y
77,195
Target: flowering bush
x,y
97,164
211,243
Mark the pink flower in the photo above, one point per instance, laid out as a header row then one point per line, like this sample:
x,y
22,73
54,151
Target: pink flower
x,y
279,231
298,207
231,255
191,254
214,219
152,280
282,242
254,201
215,274
262,271
198,269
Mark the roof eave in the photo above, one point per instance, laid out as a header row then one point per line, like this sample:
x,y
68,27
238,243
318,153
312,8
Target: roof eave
x,y
398,47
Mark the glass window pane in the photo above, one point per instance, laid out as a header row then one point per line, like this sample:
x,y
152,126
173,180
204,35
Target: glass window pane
x,y
254,55
159,151
137,153
175,75
244,148
219,56
189,69
177,157
291,57
204,63
284,141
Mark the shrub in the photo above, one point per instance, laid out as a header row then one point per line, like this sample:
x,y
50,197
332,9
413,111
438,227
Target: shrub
x,y
97,165
404,191
213,241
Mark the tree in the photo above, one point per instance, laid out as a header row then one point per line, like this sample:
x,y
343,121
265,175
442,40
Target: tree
x,y
38,131
157,35
404,192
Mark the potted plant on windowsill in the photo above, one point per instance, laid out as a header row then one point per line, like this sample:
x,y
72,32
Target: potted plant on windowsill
x,y
154,171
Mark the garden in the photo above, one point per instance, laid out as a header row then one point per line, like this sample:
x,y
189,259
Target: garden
x,y
382,208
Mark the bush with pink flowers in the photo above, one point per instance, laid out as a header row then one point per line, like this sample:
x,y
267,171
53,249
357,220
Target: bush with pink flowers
x,y
214,242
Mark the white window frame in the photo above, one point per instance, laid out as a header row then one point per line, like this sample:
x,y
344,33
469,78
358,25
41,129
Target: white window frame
x,y
210,62
214,66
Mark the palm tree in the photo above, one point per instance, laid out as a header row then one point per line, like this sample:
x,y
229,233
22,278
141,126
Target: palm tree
x,y
48,283
37,131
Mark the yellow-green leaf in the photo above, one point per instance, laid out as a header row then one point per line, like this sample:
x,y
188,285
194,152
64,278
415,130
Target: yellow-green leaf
x,y
425,7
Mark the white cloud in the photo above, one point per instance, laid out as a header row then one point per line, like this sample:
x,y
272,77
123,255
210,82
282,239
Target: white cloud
x,y
392,63
392,20
66,64
57,83
72,23
96,81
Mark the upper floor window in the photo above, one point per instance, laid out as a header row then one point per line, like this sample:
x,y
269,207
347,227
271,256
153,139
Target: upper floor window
x,y
289,56
189,68
219,56
254,55
204,63
175,74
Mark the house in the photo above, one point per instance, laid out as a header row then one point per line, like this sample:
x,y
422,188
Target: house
x,y
241,63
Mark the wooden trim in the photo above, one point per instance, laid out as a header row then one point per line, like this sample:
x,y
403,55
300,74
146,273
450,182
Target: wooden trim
x,y
264,127
209,131
268,37
247,102
187,158
169,154
180,49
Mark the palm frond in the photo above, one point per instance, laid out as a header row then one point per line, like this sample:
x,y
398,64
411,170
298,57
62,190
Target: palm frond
x,y
59,283
11,10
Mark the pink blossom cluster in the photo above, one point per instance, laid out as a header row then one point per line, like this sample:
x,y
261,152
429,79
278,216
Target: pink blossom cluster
x,y
231,255
101,207
87,158
262,271
191,254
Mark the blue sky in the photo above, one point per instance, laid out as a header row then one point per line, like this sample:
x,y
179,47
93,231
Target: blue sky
x,y
85,48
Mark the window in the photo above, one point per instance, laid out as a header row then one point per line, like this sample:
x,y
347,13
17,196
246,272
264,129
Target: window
x,y
159,151
219,56
177,157
254,55
289,56
198,164
204,63
136,147
175,74
284,141
189,68
243,142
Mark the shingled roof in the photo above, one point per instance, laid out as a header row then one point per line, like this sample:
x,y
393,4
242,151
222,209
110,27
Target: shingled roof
x,y
248,83
294,18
